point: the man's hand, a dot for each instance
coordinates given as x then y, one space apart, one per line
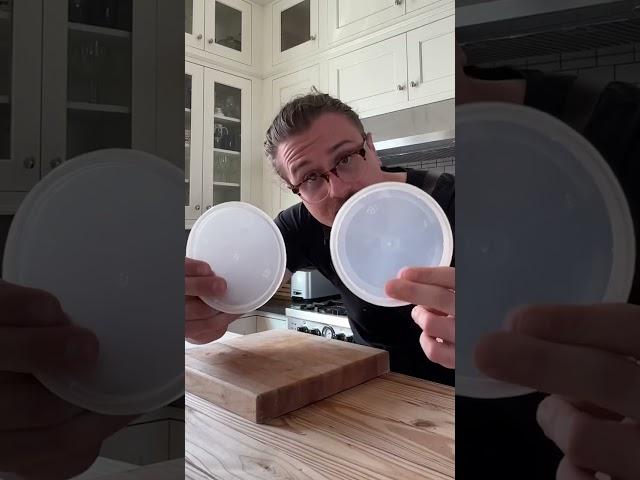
586 356
41 435
432 290
203 323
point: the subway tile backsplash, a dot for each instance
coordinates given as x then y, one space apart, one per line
620 63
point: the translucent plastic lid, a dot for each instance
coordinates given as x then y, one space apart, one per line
91 233
542 220
380 230
244 246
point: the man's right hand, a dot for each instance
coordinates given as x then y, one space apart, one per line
203 323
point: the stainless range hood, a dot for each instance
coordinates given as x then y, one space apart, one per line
492 31
421 134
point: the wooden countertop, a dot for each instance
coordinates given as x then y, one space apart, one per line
391 428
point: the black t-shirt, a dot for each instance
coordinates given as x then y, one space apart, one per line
391 329
500 439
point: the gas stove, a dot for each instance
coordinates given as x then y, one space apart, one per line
329 307
327 318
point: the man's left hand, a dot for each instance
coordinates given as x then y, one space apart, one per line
432 290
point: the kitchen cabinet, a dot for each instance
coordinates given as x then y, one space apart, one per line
80 79
351 17
194 23
295 29
271 322
220 27
243 325
413 5
431 61
193 138
372 77
217 139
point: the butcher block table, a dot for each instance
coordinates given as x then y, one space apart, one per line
393 427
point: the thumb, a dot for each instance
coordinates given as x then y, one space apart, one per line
44 349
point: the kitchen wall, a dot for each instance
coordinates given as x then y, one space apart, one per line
607 64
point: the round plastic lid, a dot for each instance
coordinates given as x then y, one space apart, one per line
244 246
93 232
542 221
380 230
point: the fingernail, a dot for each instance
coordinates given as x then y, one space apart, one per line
402 271
81 348
512 319
219 286
204 270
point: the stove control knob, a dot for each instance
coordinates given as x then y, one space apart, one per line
328 332
303 329
315 331
350 339
341 336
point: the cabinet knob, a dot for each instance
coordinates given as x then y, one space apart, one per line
208 207
29 163
197 207
400 87
312 37
398 2
55 162
210 41
414 84
199 37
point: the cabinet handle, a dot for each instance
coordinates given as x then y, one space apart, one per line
414 84
210 41
199 37
29 163
197 207
398 2
400 87
55 162
312 37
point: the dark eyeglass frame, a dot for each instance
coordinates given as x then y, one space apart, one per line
362 151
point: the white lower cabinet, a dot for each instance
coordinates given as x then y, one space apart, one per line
244 325
274 322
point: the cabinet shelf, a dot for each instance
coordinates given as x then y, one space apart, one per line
111 32
97 107
226 119
225 184
227 152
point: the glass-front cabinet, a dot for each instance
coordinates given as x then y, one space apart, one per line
221 27
295 28
81 81
217 139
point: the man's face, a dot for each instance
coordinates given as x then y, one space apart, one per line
329 138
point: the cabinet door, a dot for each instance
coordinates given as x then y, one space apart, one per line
98 84
227 138
295 29
270 323
351 17
371 78
228 29
243 325
413 5
431 61
193 139
194 23
20 74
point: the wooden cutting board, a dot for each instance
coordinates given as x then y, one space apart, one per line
264 375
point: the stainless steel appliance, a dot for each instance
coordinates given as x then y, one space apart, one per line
327 319
310 284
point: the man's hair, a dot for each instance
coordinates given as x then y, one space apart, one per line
297 115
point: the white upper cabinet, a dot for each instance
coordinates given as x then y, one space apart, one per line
194 23
373 77
431 61
295 29
351 17
228 29
193 139
413 5
294 84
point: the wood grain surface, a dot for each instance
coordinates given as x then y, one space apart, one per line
390 428
264 375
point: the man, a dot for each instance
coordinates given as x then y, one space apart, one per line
319 148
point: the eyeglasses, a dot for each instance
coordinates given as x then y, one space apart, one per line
315 187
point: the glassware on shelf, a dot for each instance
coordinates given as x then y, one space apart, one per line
92 57
104 13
